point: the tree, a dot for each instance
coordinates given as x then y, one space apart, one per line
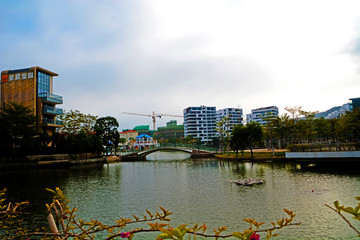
188 139
106 129
322 129
350 126
122 141
271 122
283 126
238 138
293 111
247 135
116 141
18 129
254 135
224 133
307 125
76 135
76 122
333 129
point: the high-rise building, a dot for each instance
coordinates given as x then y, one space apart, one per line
234 115
199 122
334 112
261 115
354 103
33 87
144 129
171 131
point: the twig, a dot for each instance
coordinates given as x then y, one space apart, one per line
131 222
275 228
338 212
84 231
201 234
133 232
45 234
62 215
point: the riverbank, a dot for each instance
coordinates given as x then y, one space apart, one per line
328 159
52 161
259 155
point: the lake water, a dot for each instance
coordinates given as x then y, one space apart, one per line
197 191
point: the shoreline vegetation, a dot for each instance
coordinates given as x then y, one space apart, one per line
258 155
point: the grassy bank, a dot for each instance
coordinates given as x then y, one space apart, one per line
257 155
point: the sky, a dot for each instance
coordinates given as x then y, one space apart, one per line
162 56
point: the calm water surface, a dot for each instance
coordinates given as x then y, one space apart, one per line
197 191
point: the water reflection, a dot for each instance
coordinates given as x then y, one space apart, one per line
167 155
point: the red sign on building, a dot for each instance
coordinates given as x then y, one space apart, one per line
4 78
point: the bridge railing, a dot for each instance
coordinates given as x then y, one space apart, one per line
191 146
182 145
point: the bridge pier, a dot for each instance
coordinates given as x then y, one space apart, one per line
133 157
201 154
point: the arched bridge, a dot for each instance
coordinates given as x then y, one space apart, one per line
147 152
142 155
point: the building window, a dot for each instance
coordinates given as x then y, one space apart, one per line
43 82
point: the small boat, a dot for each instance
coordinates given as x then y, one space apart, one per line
249 182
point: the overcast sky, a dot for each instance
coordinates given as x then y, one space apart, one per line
166 55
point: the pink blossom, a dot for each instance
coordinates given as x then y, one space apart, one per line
255 236
124 234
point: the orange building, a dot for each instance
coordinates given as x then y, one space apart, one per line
128 135
33 87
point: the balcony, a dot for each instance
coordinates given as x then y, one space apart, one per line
52 110
51 98
52 122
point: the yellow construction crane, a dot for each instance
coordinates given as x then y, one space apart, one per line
153 116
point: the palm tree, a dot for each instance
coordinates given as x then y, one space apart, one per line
18 128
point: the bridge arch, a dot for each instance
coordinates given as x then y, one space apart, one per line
142 155
145 153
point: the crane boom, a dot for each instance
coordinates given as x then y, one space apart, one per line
153 116
139 114
168 115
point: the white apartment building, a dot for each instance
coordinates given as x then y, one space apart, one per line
199 122
336 114
260 114
235 117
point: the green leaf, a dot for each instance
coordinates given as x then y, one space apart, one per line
177 233
349 210
357 209
162 236
50 190
183 229
237 234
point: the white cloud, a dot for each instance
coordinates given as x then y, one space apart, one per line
161 55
